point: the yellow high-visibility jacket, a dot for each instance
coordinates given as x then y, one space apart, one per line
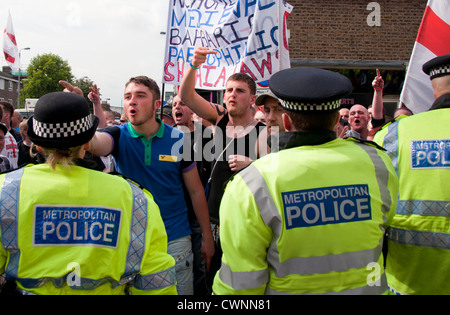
379 136
79 231
308 220
419 239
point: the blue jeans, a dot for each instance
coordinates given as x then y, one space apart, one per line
181 250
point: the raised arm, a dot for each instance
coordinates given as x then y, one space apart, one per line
101 144
377 105
187 93
94 97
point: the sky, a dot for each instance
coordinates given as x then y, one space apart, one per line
109 41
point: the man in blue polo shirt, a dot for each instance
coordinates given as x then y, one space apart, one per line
157 155
150 153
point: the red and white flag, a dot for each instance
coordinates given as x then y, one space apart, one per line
433 40
10 49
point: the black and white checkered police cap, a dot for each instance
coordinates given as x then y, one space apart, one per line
311 90
62 120
437 67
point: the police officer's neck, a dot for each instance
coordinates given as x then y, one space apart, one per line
441 86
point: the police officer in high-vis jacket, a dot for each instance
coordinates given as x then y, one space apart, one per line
419 239
66 229
311 218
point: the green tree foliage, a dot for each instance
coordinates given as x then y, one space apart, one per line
44 73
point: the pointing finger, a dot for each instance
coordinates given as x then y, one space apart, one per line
206 51
67 85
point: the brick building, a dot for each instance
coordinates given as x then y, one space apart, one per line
356 37
8 86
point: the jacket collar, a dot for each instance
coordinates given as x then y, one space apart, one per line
295 139
442 102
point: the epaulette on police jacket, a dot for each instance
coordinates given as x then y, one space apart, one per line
366 142
115 173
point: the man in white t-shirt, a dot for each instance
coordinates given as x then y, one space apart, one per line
5 165
10 150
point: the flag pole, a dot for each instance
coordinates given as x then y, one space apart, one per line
18 89
162 99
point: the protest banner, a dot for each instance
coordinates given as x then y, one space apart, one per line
249 36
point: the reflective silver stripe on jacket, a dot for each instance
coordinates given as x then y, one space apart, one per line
136 250
366 290
9 210
243 280
420 238
137 231
424 207
8 219
391 144
382 175
159 280
306 265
